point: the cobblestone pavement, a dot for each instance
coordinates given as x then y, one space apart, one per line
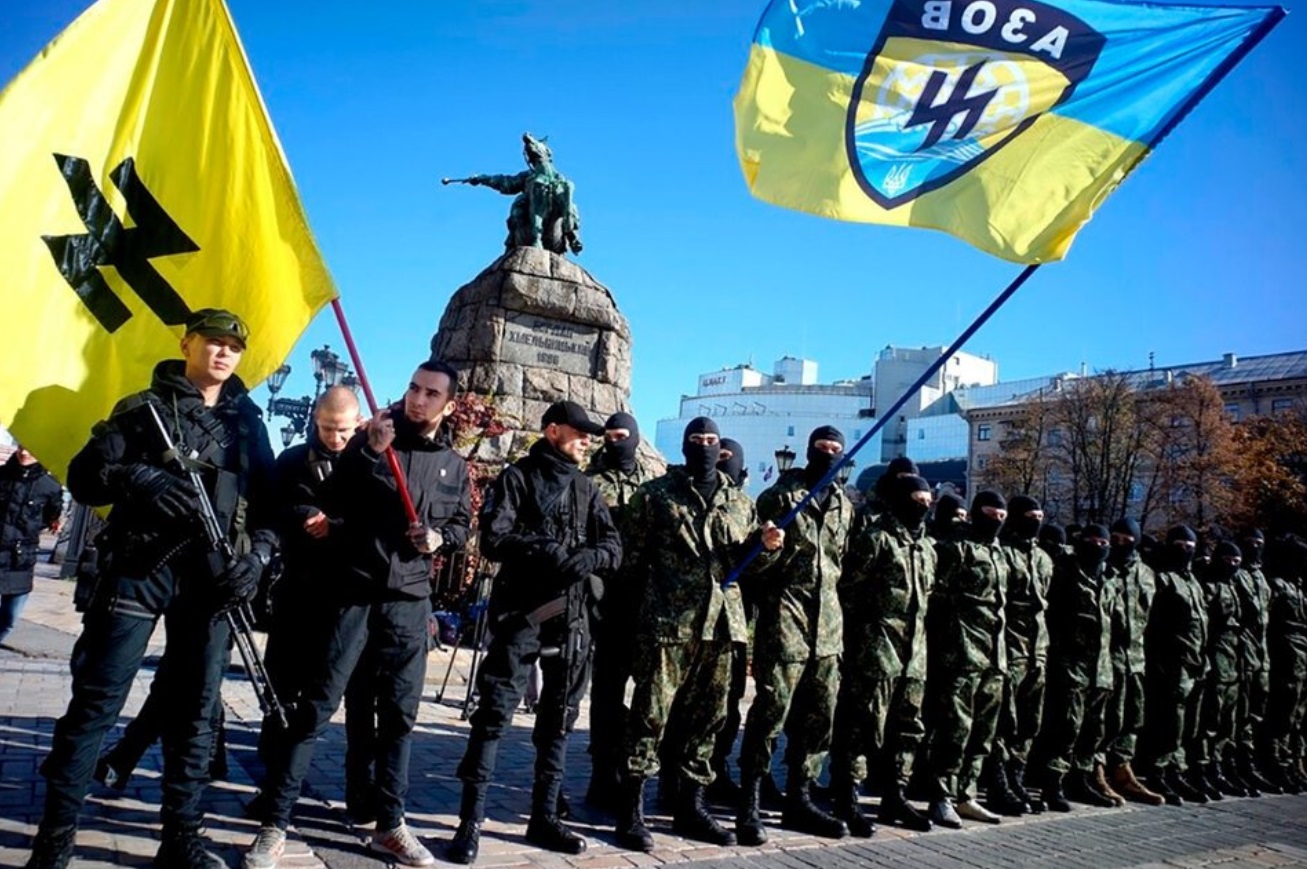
123 830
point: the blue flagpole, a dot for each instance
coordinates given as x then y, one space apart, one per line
903 399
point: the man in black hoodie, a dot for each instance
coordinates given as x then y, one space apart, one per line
30 500
545 522
380 601
154 563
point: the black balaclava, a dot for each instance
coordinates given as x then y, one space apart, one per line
819 461
1052 537
898 465
1220 568
1122 552
1091 555
734 466
908 510
1149 547
986 527
1018 524
701 459
1173 556
620 455
1254 543
945 519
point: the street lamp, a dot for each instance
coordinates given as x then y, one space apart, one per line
277 379
288 434
784 458
328 370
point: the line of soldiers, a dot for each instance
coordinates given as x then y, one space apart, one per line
976 640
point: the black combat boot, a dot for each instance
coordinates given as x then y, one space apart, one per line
1284 779
1182 786
748 819
1214 783
1079 788
802 816
999 797
692 819
1249 772
1052 794
632 834
895 809
183 848
846 807
1238 787
546 831
52 849
466 844
1016 777
1158 784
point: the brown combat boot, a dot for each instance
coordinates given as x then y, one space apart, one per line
1125 784
1100 782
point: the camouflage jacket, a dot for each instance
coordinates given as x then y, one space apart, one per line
798 604
1254 593
1030 571
1224 632
1080 624
1138 587
1286 631
888 575
1176 636
617 487
970 591
680 551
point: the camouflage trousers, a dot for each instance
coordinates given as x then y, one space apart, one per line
1074 724
1254 691
1285 713
1171 716
1125 717
664 671
1218 725
966 709
877 718
804 693
1023 709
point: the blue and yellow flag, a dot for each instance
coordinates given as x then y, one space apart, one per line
141 180
1002 122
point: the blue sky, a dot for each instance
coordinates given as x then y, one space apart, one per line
1202 251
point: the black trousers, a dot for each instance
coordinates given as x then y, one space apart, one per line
396 632
614 660
514 648
105 660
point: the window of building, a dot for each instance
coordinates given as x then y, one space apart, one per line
983 432
921 434
1281 405
1055 437
981 463
789 430
1232 411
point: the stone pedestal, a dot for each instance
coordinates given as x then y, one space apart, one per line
532 329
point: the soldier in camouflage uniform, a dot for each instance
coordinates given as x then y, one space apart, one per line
616 473
1286 643
1080 604
1125 712
797 642
889 571
968 644
1175 648
1211 752
1254 592
1030 571
689 528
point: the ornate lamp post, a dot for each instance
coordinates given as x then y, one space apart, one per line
784 459
328 371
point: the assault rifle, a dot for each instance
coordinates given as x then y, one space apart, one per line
219 554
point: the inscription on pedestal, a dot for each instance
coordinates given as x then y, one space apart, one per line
545 343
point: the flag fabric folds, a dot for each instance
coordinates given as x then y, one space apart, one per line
1002 122
141 180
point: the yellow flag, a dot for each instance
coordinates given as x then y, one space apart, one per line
140 179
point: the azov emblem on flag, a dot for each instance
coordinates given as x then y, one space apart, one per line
952 81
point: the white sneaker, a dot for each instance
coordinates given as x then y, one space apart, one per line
974 811
401 846
267 849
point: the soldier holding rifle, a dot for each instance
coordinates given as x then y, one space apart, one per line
157 561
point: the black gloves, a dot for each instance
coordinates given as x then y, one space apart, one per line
170 495
554 554
579 565
240 582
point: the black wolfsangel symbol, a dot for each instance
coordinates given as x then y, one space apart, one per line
107 242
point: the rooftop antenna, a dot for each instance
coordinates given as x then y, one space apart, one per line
1150 360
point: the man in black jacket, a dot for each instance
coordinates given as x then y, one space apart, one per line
30 500
547 525
381 602
155 562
